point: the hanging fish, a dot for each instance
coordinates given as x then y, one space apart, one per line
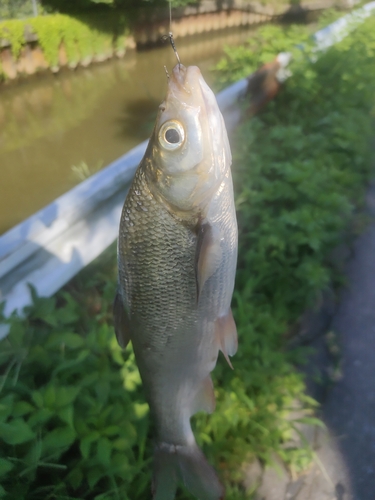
177 252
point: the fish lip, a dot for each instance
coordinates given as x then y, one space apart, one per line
179 74
185 81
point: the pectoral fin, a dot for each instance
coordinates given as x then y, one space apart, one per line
226 335
208 254
121 321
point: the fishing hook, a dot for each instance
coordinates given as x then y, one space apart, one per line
171 39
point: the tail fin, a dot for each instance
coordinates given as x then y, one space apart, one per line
189 465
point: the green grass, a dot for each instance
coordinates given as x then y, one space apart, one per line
73 419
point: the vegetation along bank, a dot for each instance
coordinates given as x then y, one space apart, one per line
87 31
59 40
73 421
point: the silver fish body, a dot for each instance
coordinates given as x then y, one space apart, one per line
177 252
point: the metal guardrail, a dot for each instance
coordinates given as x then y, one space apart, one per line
338 30
53 245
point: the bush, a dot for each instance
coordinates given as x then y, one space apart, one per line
71 417
83 36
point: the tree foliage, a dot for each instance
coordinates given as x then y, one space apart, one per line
87 5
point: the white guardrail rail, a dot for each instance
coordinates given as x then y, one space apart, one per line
53 245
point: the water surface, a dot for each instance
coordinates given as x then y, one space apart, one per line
50 123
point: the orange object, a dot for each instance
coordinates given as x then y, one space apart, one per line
266 82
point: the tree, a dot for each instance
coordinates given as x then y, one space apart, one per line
84 5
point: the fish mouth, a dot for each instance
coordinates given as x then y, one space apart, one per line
185 82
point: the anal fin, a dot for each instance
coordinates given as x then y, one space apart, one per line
226 335
205 397
121 321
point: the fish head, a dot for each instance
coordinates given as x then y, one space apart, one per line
189 149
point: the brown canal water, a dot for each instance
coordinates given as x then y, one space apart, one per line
53 123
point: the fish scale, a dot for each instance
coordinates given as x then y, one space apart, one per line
162 294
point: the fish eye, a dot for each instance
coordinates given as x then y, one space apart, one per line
171 135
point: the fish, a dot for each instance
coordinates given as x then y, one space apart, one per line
177 254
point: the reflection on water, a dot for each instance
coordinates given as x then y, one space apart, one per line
93 115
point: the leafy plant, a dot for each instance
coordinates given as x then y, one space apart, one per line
13 31
83 36
69 395
300 171
262 47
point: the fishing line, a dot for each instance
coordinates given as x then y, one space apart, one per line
170 16
170 35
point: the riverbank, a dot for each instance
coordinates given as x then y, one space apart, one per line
59 40
52 128
56 41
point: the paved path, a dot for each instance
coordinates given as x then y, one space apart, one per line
345 361
344 339
349 406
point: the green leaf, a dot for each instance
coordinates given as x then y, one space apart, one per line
66 414
112 430
16 432
5 466
6 407
22 408
75 478
122 444
39 417
49 396
43 309
34 453
70 340
67 365
141 409
58 439
38 399
89 379
102 389
17 334
66 395
94 475
104 452
69 313
86 442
